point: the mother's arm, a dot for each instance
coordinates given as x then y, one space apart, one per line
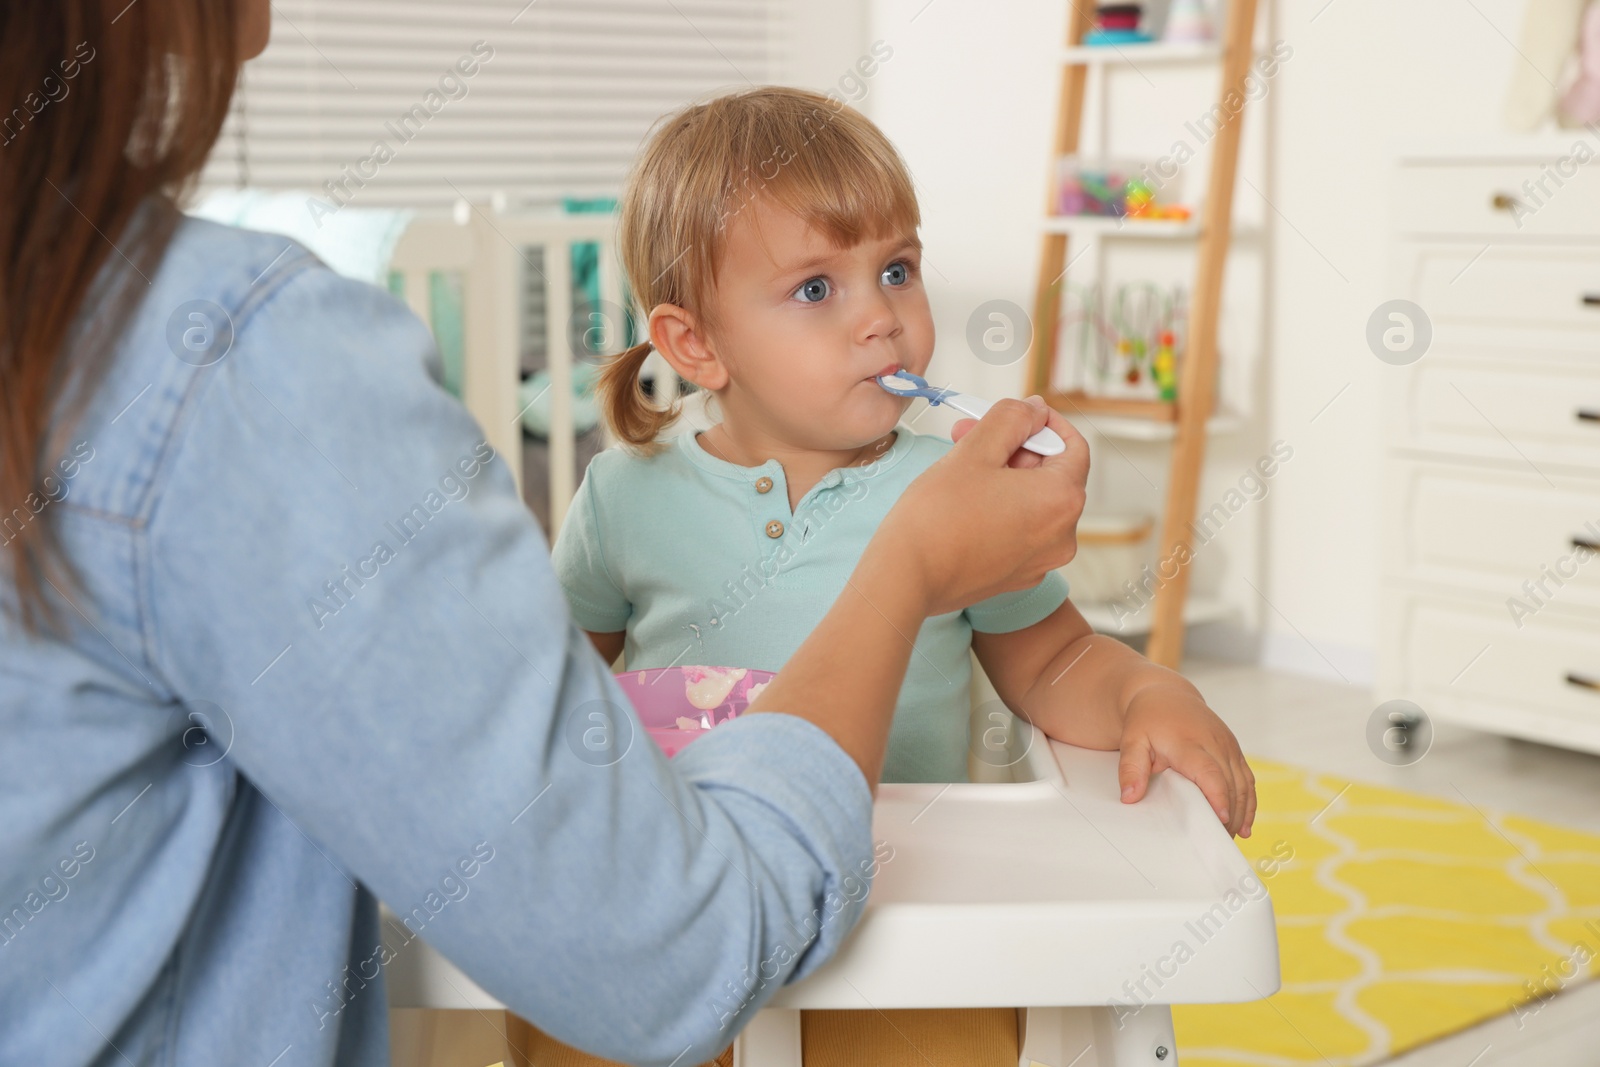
330 560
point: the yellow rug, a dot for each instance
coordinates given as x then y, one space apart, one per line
1401 919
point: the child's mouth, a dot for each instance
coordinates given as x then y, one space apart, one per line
893 368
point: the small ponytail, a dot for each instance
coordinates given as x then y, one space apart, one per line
629 413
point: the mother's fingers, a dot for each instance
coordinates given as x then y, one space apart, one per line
995 438
1076 453
1019 458
1022 458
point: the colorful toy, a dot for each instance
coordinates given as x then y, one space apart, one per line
1133 316
1128 347
1094 192
1139 200
1117 24
1163 368
1113 190
1119 17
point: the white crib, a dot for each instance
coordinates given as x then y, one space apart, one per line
487 249
1031 886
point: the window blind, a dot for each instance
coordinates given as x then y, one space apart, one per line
419 102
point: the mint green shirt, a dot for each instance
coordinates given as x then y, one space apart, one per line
701 561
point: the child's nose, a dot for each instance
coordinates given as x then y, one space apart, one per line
878 319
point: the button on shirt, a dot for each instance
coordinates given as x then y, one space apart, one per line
701 561
323 660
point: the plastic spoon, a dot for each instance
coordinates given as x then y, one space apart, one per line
903 383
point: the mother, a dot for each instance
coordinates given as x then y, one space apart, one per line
205 436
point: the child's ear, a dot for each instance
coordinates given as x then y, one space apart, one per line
677 334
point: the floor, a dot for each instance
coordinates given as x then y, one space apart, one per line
1321 725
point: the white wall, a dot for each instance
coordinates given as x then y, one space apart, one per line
1367 78
969 99
825 39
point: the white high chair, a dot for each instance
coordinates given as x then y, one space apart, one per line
1047 893
1032 886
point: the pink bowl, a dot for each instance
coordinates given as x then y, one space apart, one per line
678 704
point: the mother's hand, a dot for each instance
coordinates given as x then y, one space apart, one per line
1022 457
990 518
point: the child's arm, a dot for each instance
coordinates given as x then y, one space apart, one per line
1093 691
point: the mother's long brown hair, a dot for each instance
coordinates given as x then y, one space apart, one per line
103 103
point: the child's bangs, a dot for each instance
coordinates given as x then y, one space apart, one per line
839 174
821 160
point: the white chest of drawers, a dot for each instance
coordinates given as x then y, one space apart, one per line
1491 539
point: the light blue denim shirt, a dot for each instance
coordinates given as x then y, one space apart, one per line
322 659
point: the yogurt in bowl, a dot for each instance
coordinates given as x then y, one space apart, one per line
676 705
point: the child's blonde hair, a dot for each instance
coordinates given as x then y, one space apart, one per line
809 153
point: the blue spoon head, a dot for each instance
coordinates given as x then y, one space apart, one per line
896 383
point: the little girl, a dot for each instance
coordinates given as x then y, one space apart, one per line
773 235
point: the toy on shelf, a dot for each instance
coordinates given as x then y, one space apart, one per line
1127 347
1188 22
1120 189
1116 24
1139 200
1133 317
1164 367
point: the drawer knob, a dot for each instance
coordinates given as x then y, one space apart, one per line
1504 202
1583 683
1591 300
1588 414
1586 542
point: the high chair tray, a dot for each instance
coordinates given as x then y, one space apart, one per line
1052 892
1048 892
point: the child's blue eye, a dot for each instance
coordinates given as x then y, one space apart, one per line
897 273
812 290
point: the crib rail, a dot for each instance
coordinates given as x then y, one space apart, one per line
491 251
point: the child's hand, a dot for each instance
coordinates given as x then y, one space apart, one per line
1171 726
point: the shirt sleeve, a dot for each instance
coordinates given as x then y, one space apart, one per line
1016 611
594 597
335 558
